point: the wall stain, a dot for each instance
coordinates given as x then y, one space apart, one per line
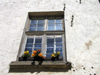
88 44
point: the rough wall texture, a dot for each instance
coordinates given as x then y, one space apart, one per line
82 36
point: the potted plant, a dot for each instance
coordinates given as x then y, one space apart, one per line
25 55
37 56
55 56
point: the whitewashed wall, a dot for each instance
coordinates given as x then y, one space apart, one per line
83 38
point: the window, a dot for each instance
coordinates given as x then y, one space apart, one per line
45 31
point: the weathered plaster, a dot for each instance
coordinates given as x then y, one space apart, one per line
13 15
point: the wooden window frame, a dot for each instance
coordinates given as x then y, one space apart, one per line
45 32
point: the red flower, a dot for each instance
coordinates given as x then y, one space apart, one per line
39 50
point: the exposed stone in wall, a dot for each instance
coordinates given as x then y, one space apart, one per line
82 39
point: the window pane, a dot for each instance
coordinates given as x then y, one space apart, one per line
50 26
58 26
38 40
49 52
58 21
38 45
30 41
59 50
40 29
51 21
29 45
33 25
50 40
59 45
32 29
40 21
29 49
50 45
33 21
58 39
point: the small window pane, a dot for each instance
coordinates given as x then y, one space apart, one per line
51 21
29 45
33 25
32 29
30 41
50 40
40 21
59 50
50 45
58 39
58 26
58 21
49 52
51 27
33 21
38 40
38 45
59 45
40 25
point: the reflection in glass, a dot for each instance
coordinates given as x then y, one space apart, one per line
51 21
32 29
58 21
40 21
30 40
58 26
38 40
29 45
33 21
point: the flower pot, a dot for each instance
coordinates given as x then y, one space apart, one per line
57 58
24 58
53 58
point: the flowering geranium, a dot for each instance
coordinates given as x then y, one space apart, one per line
55 54
37 55
26 54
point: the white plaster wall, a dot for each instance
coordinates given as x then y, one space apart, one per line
83 39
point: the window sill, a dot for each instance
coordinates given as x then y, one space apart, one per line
53 66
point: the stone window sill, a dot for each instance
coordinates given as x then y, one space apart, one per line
25 66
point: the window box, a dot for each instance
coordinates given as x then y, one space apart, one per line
54 66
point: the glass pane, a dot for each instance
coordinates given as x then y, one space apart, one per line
29 49
40 25
40 21
51 21
58 39
50 45
40 29
33 25
58 21
50 50
30 41
29 45
59 50
38 40
32 29
37 48
33 21
50 40
38 45
59 45
50 26
58 26
48 55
